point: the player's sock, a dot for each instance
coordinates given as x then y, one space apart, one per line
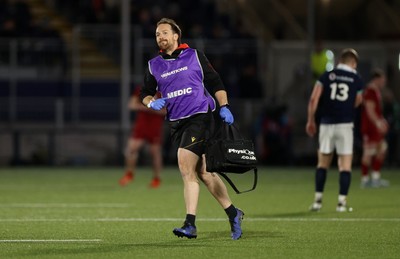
190 219
344 182
318 197
231 212
364 169
376 175
320 179
342 199
376 164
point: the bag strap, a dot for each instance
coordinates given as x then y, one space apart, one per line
234 186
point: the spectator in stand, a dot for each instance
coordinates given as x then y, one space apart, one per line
8 29
22 15
15 19
249 84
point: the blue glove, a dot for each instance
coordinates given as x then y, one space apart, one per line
226 115
157 104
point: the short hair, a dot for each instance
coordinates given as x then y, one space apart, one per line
349 54
174 26
376 73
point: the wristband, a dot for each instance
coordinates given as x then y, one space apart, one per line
225 105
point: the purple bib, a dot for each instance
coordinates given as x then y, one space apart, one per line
180 80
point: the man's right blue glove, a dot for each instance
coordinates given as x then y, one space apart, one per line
226 115
157 104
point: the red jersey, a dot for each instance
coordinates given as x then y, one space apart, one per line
368 127
148 124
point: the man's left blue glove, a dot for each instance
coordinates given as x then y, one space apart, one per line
157 104
226 115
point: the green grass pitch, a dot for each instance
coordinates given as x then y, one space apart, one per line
84 213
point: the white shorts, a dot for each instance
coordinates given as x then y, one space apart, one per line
336 136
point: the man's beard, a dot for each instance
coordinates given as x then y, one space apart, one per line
164 45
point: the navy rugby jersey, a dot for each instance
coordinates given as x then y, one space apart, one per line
181 79
340 88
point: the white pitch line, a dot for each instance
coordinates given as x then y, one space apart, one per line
203 219
48 240
65 205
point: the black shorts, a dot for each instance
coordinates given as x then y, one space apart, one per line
193 132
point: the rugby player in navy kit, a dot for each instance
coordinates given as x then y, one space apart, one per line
185 79
339 92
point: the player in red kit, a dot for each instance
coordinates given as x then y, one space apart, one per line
373 129
148 128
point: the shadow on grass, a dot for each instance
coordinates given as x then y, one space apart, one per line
247 235
207 240
113 250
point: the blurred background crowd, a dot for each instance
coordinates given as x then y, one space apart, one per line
60 73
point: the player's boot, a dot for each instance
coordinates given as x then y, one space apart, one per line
127 178
236 225
155 183
377 183
316 206
187 230
366 184
343 208
384 183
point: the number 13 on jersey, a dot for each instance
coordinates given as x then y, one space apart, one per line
339 91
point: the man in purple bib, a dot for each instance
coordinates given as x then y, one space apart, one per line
184 77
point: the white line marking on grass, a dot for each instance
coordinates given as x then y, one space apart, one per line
48 240
203 219
327 219
65 205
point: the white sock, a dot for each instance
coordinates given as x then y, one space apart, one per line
376 175
318 196
342 199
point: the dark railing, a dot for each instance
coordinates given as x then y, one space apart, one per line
46 99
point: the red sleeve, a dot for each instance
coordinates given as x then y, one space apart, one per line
370 95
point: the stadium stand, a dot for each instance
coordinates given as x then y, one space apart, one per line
59 65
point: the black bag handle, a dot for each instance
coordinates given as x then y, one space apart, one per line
229 132
234 186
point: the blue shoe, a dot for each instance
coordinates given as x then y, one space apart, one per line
378 183
187 230
236 229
